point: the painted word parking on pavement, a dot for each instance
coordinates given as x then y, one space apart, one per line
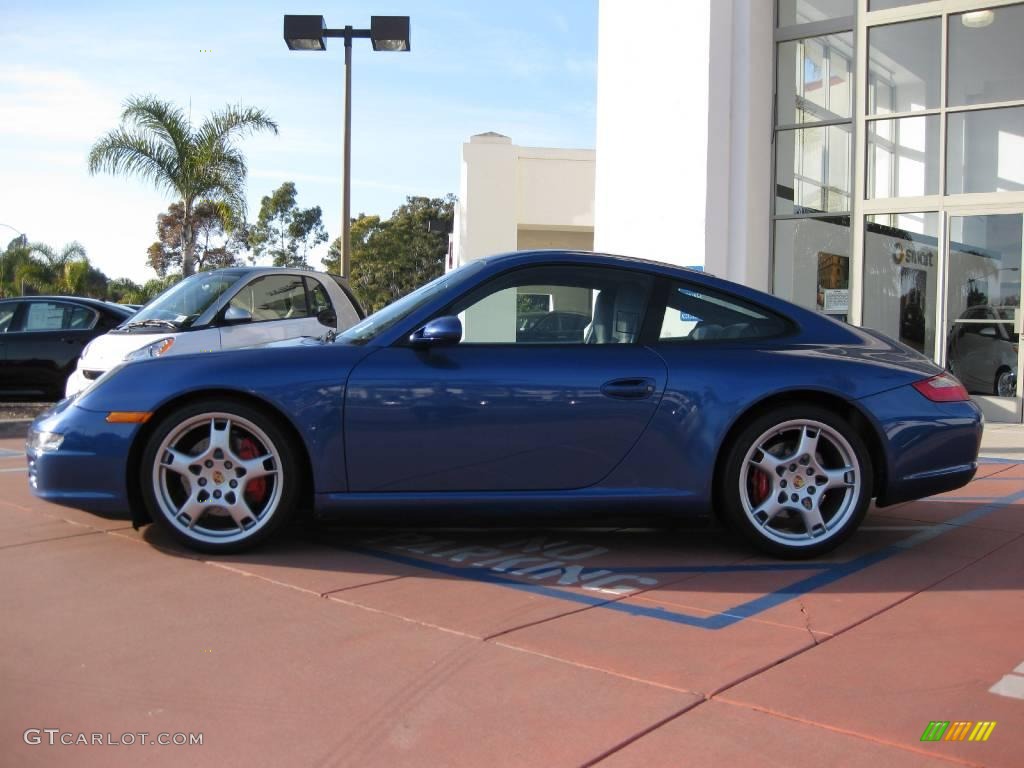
563 569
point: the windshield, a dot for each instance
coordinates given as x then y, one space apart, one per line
180 305
394 313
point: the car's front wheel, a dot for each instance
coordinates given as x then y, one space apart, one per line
797 481
219 476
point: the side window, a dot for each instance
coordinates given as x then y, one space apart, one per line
696 314
7 312
317 296
556 305
80 318
273 297
52 316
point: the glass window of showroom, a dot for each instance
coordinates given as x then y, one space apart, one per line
898 195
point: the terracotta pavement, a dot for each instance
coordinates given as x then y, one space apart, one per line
514 647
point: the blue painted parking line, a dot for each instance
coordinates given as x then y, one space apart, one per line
6 452
828 573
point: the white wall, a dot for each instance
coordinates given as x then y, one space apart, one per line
684 133
486 211
652 100
512 197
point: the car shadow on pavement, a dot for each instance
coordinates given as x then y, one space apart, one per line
706 578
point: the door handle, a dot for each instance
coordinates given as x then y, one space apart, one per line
628 389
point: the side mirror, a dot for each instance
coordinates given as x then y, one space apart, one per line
327 317
236 316
439 332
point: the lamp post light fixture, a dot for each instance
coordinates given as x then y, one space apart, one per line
307 33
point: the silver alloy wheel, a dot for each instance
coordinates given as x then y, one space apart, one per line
1006 384
800 482
200 479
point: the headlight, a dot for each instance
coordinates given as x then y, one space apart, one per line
44 442
155 349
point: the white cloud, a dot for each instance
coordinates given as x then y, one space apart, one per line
54 105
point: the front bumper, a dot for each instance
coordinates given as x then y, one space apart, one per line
88 471
930 447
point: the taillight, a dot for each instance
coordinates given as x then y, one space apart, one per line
944 388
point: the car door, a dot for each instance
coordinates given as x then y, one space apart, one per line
279 308
8 322
493 413
42 349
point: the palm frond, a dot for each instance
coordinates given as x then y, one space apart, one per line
73 251
161 118
124 151
37 250
234 121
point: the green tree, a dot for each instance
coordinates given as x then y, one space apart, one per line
157 142
43 269
125 291
284 231
17 253
216 247
394 257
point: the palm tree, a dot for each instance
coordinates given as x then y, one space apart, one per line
46 269
157 142
55 259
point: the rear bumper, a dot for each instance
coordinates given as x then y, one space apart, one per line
930 447
88 470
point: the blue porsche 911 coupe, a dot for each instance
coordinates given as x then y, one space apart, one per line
681 394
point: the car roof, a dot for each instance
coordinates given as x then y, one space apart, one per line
244 271
94 303
591 256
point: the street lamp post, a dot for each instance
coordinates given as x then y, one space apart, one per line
307 33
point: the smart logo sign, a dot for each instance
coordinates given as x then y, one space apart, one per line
537 559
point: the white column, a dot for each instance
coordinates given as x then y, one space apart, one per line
652 106
486 215
684 128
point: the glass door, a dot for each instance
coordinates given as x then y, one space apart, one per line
983 313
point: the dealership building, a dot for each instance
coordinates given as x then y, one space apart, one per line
864 158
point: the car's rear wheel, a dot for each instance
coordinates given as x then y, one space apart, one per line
219 476
797 481
1006 383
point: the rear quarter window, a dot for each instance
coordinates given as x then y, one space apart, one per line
694 314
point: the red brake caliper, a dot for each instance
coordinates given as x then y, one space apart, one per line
255 489
760 486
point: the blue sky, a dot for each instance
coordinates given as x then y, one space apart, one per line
525 69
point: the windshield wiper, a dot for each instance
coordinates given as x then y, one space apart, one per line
160 323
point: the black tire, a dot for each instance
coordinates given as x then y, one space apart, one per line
763 509
999 375
267 490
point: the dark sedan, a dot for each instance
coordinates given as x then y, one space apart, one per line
683 395
41 338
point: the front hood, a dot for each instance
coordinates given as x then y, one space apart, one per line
276 373
108 350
